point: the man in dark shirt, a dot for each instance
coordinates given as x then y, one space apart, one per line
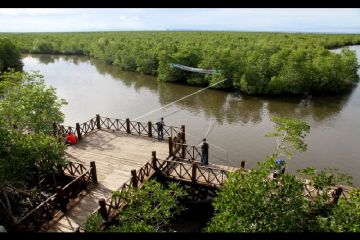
160 127
204 152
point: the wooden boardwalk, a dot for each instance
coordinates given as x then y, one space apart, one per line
115 155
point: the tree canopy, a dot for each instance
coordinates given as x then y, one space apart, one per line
252 62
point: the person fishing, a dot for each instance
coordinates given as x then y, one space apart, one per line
204 153
160 127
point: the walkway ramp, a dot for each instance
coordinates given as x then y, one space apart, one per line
115 155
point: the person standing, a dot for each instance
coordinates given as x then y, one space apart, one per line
160 127
204 153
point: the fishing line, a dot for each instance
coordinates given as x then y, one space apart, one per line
209 131
179 99
208 143
172 113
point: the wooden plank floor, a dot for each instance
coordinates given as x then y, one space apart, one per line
115 155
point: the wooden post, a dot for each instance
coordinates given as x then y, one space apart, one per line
93 172
61 198
243 164
150 128
98 121
154 161
78 130
193 175
337 193
55 129
134 178
283 170
170 146
103 211
183 132
183 152
127 125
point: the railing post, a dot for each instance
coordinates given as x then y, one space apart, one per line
78 130
170 146
150 128
243 164
61 198
134 178
193 175
98 121
103 211
127 125
183 132
55 129
154 161
337 193
183 147
93 172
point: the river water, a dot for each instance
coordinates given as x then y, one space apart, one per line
233 124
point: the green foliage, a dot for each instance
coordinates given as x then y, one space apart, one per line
94 223
9 55
345 217
252 203
290 134
253 63
28 104
259 201
147 209
28 157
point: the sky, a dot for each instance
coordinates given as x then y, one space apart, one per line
307 20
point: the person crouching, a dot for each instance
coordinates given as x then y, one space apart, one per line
70 139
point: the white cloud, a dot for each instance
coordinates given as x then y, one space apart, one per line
8 11
234 19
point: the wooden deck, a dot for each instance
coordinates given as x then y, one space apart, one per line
115 155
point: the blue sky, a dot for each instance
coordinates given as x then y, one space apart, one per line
323 20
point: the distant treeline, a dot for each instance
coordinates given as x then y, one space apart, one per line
253 63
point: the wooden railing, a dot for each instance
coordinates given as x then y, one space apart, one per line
187 152
45 211
192 172
131 127
108 209
86 127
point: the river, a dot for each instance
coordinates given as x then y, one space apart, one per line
233 124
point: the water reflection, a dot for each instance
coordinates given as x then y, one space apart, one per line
230 108
314 109
130 79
